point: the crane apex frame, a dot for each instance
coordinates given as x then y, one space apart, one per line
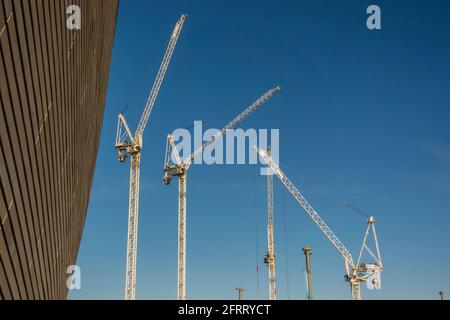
129 144
355 273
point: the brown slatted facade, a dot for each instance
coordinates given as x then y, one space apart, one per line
53 83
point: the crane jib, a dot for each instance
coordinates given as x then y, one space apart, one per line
247 112
308 209
160 77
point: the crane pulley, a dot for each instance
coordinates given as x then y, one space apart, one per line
355 272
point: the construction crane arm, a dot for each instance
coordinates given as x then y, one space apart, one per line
252 108
160 77
309 210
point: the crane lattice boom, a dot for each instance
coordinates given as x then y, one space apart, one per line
245 114
160 77
309 209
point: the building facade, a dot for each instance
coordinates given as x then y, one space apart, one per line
53 83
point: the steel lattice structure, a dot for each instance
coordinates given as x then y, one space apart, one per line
129 144
355 273
180 168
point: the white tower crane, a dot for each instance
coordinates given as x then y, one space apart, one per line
129 144
180 168
270 258
355 273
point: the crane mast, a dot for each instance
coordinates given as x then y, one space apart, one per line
355 273
129 144
270 258
135 168
180 168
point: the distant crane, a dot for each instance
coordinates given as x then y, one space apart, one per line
270 258
355 273
180 168
308 252
240 292
129 144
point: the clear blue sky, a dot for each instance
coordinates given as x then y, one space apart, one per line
364 116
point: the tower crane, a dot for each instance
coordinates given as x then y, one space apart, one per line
175 167
308 252
270 258
129 144
355 272
240 292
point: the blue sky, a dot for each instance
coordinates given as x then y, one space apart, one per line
363 116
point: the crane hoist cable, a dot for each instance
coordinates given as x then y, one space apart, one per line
181 93
125 108
280 118
255 213
286 246
355 209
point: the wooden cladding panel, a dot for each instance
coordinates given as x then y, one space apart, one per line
53 83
